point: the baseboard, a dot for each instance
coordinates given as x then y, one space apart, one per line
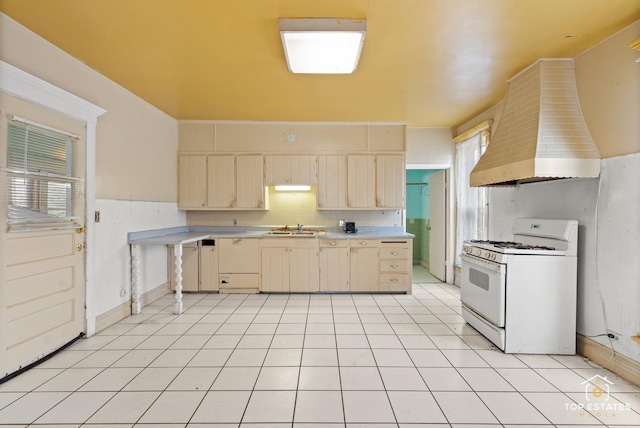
152 295
113 316
122 311
621 365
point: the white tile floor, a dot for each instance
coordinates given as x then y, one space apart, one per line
319 361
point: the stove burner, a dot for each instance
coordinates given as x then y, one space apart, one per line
511 244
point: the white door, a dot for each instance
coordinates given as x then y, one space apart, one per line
42 255
437 236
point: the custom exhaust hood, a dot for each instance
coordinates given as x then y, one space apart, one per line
542 134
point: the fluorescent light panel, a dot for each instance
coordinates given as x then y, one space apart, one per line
322 45
293 188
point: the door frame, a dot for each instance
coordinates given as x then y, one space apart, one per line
21 84
449 245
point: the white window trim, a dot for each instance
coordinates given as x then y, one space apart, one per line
19 83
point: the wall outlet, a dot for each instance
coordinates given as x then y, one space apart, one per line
613 335
235 221
341 222
123 292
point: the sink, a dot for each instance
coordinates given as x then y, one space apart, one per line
296 232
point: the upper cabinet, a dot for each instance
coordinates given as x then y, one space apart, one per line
332 182
192 182
291 169
390 181
363 182
361 190
221 182
228 165
221 173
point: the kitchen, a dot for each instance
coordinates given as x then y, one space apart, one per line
141 198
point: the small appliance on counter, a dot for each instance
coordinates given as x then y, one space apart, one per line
349 227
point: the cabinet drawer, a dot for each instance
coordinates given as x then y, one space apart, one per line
394 282
394 253
394 266
364 243
239 280
334 243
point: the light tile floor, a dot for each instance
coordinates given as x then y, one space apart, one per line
421 274
309 361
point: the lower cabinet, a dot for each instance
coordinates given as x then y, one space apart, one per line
238 265
364 265
396 259
289 265
334 265
208 265
250 265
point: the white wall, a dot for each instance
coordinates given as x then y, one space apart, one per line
430 146
113 265
607 210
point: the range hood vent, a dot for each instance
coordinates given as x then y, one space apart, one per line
542 134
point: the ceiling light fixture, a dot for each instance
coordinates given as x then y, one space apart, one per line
293 188
322 45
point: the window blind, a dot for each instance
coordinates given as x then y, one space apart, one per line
41 183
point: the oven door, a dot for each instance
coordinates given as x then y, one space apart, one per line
482 288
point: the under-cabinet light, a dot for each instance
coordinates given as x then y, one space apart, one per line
322 45
293 188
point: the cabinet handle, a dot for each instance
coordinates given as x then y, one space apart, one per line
332 244
363 244
394 280
394 253
394 266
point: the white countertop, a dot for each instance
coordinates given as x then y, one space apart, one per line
185 235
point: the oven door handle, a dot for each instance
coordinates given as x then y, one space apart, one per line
486 264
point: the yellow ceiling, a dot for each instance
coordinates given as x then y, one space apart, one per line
424 62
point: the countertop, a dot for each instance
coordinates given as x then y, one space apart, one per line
187 234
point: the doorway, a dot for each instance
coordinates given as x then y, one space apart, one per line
419 222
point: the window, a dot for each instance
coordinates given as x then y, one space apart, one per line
42 187
471 202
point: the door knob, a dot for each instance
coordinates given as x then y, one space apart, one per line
79 247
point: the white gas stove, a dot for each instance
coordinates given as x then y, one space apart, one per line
521 294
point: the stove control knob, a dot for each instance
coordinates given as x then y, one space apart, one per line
493 256
486 254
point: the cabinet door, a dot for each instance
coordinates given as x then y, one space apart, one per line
221 191
208 268
275 269
390 181
361 190
250 191
364 269
238 255
303 270
291 169
332 182
192 177
334 269
190 277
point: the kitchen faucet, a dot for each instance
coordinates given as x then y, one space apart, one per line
299 227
